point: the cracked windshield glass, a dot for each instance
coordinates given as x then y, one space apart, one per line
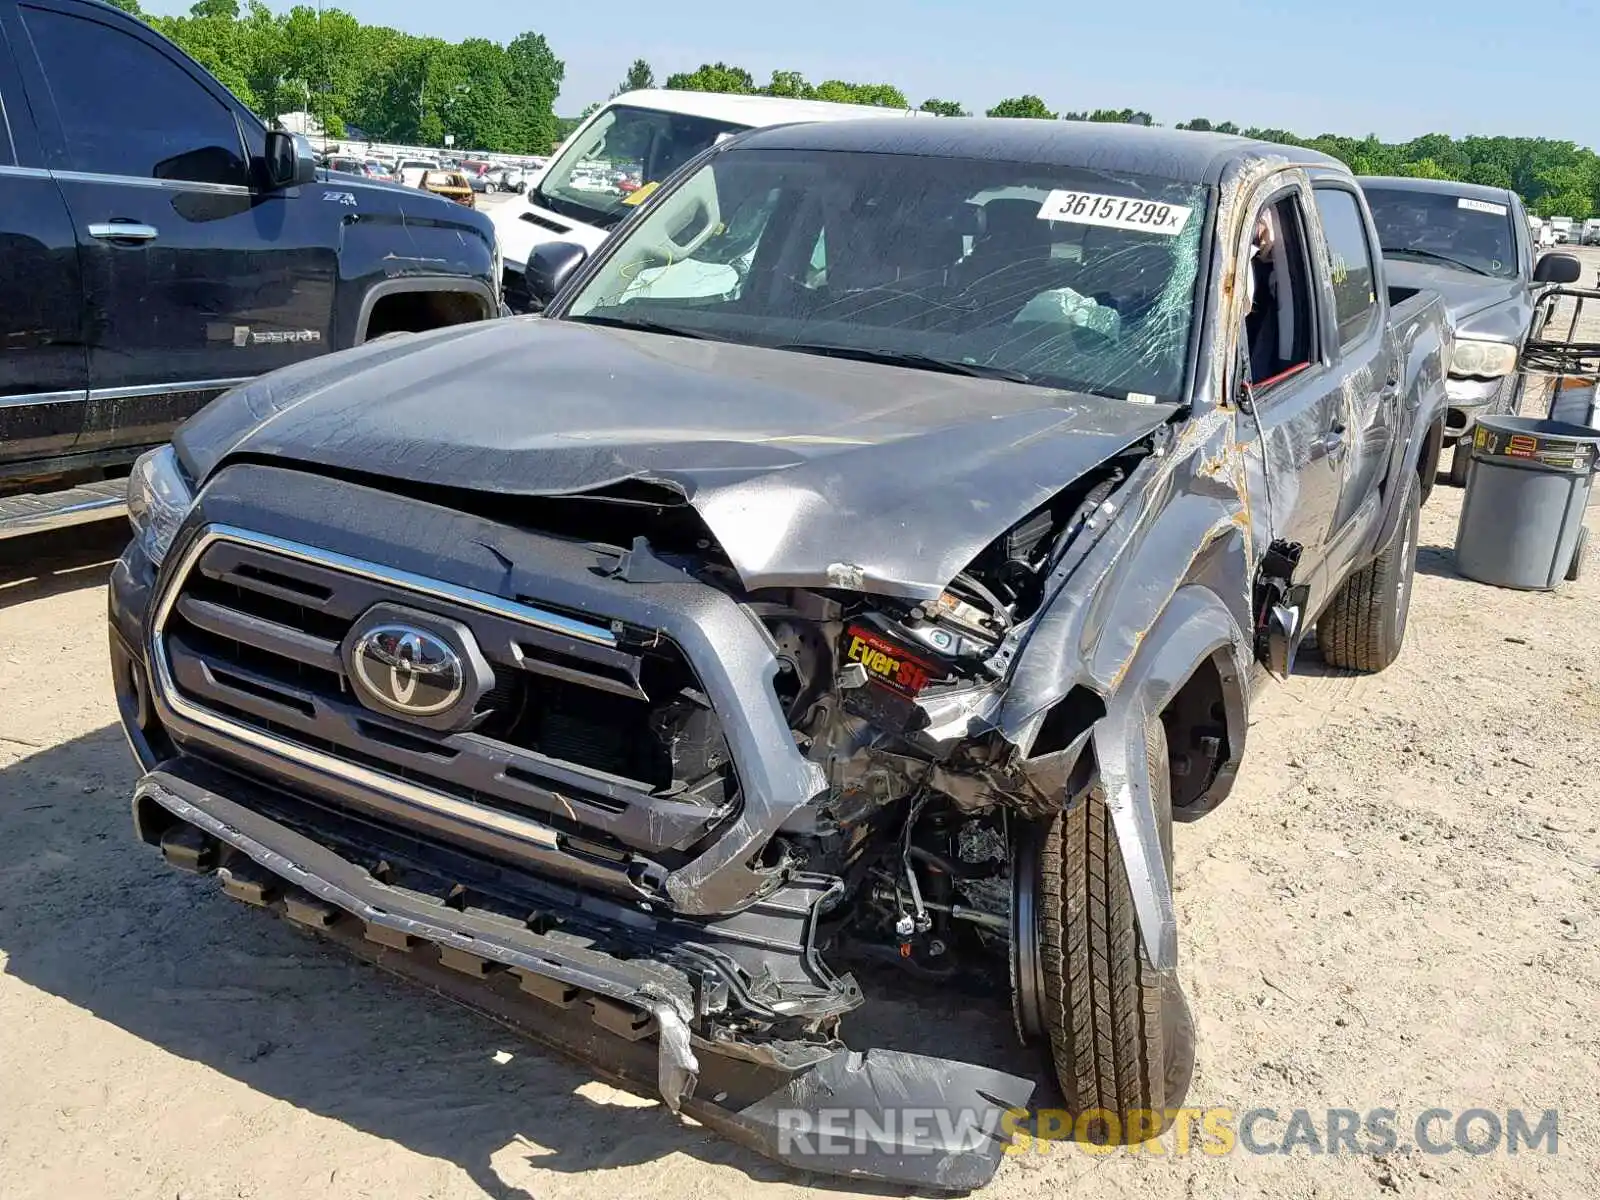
1048 275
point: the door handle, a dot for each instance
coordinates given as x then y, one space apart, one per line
1332 441
124 231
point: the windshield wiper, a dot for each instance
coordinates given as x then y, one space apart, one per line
646 326
1444 258
902 358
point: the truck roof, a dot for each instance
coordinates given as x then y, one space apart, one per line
1441 187
753 110
1179 155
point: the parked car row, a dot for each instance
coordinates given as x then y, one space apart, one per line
366 168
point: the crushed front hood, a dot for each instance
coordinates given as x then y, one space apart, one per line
807 470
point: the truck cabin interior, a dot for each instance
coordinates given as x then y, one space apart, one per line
1278 324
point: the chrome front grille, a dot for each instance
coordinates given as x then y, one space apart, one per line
590 736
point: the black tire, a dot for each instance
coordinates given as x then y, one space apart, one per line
1580 556
1364 627
1459 458
1120 1034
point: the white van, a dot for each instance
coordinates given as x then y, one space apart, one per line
628 146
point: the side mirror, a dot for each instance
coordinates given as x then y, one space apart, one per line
290 161
1558 268
552 264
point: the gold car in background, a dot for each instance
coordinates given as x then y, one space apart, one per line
452 185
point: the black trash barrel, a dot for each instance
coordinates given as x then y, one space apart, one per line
1527 487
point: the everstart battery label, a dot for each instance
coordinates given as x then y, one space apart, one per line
888 663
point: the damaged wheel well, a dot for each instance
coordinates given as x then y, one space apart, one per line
1067 719
1428 460
1196 720
421 308
1201 754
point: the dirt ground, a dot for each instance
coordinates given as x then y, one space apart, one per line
1398 908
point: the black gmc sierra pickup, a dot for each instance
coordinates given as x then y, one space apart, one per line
158 245
879 587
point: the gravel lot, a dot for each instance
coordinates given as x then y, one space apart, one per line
1398 908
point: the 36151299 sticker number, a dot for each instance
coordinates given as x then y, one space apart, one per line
1115 212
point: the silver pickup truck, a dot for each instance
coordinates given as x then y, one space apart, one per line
1472 245
636 670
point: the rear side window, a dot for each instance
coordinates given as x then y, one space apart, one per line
1350 262
127 109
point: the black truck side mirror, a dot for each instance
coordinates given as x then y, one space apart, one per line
1557 268
551 265
290 161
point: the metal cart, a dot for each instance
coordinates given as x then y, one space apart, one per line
1555 355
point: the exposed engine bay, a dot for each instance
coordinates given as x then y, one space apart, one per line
889 697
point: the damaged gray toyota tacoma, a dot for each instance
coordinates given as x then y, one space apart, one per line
866 557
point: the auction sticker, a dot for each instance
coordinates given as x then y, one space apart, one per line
1114 212
1482 206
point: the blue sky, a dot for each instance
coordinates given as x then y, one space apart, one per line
1397 68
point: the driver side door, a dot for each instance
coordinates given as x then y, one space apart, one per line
1298 401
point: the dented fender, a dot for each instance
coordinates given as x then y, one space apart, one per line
1193 628
1164 588
1182 517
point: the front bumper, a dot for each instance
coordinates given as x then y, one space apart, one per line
884 1115
726 1012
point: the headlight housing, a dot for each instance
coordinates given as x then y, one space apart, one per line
159 497
1483 360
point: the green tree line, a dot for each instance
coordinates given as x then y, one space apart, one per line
401 88
1555 178
394 86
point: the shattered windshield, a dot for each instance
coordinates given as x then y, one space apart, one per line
1051 275
1453 231
617 159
